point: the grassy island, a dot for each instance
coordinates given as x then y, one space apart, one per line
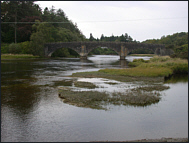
155 67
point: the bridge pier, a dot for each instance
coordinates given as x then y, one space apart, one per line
83 53
123 52
83 57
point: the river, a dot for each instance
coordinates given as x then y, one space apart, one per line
31 110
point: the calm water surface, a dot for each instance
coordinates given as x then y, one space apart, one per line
32 111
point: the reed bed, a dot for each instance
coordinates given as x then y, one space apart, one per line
17 56
100 100
156 66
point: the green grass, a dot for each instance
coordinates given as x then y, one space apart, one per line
143 55
156 66
17 56
140 71
177 65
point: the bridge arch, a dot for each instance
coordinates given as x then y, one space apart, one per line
64 51
92 48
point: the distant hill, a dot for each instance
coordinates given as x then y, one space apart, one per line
177 39
178 42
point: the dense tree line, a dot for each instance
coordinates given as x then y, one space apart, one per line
123 38
26 27
178 42
104 51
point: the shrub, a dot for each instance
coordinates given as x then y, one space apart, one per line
14 48
180 69
136 62
25 47
4 48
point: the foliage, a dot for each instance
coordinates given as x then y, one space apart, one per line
102 51
141 51
43 34
39 33
61 53
178 42
25 47
14 48
18 11
181 52
19 48
4 48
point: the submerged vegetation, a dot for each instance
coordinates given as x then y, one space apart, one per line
84 84
100 100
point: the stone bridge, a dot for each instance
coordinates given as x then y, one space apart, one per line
121 48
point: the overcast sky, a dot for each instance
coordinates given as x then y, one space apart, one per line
141 20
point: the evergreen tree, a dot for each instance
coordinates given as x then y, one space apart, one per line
91 38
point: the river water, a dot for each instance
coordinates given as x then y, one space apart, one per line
31 110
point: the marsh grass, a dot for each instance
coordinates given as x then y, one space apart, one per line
18 56
152 88
91 99
139 71
85 84
136 98
156 66
143 55
177 65
100 100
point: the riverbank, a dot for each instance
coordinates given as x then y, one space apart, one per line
18 56
142 55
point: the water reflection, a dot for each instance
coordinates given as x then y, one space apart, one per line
123 63
176 78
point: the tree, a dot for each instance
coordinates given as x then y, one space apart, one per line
91 37
45 33
25 30
13 12
102 38
122 38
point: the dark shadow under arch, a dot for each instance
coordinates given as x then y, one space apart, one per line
102 51
64 52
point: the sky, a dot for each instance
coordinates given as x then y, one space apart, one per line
141 20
